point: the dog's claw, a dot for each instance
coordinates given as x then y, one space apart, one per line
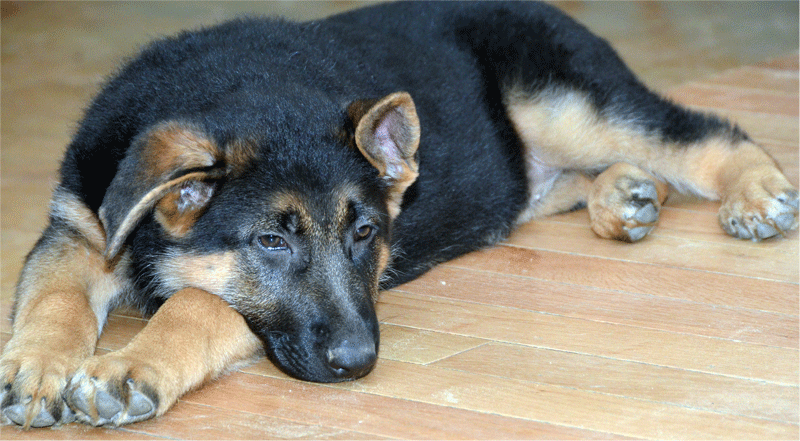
15 413
643 199
647 214
97 403
43 418
107 406
140 405
638 233
759 217
626 208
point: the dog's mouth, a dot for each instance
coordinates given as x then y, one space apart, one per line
331 361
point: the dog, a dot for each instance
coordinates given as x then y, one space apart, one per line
253 186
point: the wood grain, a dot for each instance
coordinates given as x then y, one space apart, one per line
554 334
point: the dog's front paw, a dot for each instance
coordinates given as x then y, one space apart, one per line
625 203
759 205
113 390
33 384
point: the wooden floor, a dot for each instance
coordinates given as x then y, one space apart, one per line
555 334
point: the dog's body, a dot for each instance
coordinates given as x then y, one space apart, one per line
290 171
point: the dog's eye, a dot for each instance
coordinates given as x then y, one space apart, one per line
273 242
363 232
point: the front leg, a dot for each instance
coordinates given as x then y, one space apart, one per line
194 337
62 299
51 338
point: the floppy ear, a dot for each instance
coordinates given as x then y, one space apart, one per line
387 134
170 169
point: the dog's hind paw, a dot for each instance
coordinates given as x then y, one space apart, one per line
761 205
625 203
105 392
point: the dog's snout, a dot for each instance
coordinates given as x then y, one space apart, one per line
350 360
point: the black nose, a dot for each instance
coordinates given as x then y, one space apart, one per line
351 360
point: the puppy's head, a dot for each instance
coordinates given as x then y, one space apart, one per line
294 234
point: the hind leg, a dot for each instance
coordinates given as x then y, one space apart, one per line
624 201
694 153
576 106
758 202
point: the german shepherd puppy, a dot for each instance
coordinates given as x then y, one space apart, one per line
254 186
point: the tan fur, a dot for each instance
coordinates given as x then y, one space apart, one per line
175 145
67 206
212 273
239 154
65 285
177 215
73 263
40 356
562 131
571 188
287 201
170 361
610 211
166 149
177 223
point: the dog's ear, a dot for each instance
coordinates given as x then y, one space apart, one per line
387 133
171 169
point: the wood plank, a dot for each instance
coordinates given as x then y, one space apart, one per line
633 277
400 343
724 97
733 396
610 306
72 432
683 218
509 325
193 421
562 405
786 82
762 127
786 62
375 414
777 262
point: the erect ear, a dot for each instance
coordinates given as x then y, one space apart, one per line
387 134
171 169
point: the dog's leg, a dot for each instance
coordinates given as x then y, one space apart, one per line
64 293
624 201
193 337
564 129
576 106
568 191
758 202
